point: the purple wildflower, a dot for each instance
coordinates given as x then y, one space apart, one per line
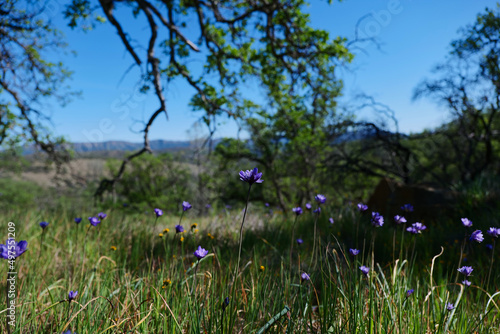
78 220
186 206
208 206
489 247
251 176
365 270
101 215
321 199
300 241
305 277
409 292
158 212
297 210
362 207
353 251
377 219
200 253
179 229
318 210
466 222
494 232
399 219
308 206
225 303
43 225
477 236
266 205
416 228
94 221
407 208
412 230
450 306
72 295
466 283
12 250
331 220
419 226
465 270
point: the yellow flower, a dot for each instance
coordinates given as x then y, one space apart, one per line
194 225
182 239
166 283
166 230
210 236
113 248
195 231
262 268
160 235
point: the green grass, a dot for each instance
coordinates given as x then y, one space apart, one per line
127 290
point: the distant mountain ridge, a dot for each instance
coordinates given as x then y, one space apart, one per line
119 145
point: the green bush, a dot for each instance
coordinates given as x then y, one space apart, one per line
154 181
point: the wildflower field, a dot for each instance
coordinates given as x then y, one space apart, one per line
320 269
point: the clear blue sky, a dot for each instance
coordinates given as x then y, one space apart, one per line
414 35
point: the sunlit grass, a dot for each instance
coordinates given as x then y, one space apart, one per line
132 280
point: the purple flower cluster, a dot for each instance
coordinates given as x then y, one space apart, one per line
43 225
466 222
321 199
12 248
72 295
186 206
377 219
494 232
158 212
362 207
308 206
200 253
94 221
179 229
399 219
467 271
477 236
365 270
305 277
416 228
78 220
251 176
353 251
101 215
297 210
407 208
331 220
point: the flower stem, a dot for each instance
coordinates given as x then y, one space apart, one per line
491 264
313 260
291 244
233 289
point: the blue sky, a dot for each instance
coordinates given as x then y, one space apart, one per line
414 36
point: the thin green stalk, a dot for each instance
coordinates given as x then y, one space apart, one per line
83 251
233 286
291 244
491 264
313 259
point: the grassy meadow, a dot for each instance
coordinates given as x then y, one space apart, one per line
297 273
